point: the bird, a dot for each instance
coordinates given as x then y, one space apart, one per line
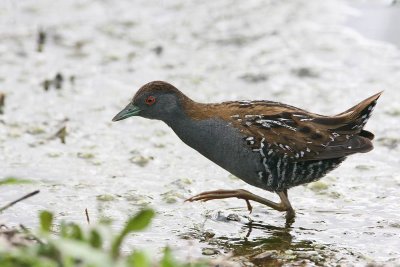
269 145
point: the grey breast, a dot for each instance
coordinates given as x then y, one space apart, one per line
223 144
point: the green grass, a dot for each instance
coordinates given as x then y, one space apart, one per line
74 245
14 181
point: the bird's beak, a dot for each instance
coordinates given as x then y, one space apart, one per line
129 111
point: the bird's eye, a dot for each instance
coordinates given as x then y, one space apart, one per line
150 100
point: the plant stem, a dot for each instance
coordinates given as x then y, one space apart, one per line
18 200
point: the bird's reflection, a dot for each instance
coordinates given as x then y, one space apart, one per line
258 225
257 237
256 240
273 238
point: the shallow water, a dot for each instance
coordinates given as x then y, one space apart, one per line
300 53
377 20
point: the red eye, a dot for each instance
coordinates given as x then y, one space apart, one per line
150 100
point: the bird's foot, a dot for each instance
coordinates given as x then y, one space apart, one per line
221 194
290 215
283 206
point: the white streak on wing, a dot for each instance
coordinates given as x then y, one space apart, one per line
266 125
245 103
262 142
303 117
279 123
300 116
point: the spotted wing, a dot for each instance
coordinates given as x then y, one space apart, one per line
299 135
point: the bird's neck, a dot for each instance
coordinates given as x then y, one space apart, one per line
187 120
186 111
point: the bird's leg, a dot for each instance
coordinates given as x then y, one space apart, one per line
246 195
285 192
290 214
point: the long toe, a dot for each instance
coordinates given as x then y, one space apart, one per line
221 194
210 196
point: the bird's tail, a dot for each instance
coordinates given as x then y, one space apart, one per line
356 117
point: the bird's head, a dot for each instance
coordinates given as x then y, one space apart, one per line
154 100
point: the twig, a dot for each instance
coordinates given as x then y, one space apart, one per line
18 200
26 231
87 216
